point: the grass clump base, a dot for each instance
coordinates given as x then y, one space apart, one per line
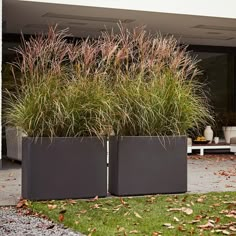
189 214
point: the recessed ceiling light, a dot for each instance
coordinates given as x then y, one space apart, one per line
37 26
45 26
83 30
214 33
77 23
87 18
203 37
215 27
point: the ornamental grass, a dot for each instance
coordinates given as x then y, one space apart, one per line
131 82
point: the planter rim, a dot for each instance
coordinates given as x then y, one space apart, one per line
59 139
151 136
63 137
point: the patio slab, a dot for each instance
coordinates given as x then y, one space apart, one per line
211 173
208 173
10 182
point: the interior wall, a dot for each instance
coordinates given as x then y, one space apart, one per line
216 76
219 75
219 55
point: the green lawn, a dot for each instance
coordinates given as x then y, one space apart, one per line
208 214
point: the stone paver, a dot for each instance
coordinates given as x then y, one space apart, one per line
209 173
10 183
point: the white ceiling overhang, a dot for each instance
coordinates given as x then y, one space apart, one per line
190 24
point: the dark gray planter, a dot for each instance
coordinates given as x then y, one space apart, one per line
147 165
63 168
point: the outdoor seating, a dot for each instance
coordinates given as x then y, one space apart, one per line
211 146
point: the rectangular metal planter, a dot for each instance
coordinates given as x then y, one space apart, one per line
147 165
62 168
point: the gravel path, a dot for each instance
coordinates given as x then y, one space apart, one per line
13 223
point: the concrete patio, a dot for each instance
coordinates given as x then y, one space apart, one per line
10 182
208 173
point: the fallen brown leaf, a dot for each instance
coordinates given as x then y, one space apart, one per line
116 208
176 219
120 229
137 215
200 200
61 217
181 228
105 209
127 213
186 210
208 225
168 225
169 199
232 228
125 204
231 216
93 199
156 233
184 199
96 206
83 211
229 186
92 231
151 200
52 206
225 226
22 203
226 232
193 221
192 230
71 201
230 202
198 217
